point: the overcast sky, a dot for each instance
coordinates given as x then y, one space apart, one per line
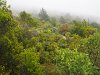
84 7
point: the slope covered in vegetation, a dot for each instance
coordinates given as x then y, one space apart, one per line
47 45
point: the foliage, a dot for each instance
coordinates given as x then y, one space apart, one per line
83 29
73 63
62 20
43 15
29 62
47 46
93 49
29 20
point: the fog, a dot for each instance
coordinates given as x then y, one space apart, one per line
85 7
89 8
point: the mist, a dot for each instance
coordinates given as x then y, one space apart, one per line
85 8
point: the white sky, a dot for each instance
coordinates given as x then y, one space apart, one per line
85 7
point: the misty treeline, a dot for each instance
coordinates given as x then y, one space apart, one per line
47 45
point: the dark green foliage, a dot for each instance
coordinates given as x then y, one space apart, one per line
93 49
83 29
5 21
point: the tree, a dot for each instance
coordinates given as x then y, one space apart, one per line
53 21
25 16
28 20
92 47
4 6
62 20
64 29
96 25
29 63
5 20
73 63
43 15
82 28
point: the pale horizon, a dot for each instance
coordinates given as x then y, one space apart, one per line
85 7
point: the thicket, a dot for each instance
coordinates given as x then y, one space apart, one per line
47 45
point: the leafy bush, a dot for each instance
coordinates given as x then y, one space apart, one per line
73 63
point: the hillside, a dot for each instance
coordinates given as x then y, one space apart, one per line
47 45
